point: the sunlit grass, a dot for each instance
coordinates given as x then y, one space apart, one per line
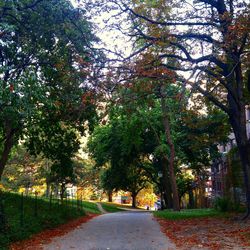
188 213
90 207
112 207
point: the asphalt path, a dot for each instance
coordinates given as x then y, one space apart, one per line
128 230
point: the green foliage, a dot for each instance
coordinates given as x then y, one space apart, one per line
223 204
59 143
22 170
187 214
199 137
117 147
184 183
46 51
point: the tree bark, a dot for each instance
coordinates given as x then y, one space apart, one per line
176 203
134 199
166 186
191 199
237 117
239 128
110 196
63 189
8 144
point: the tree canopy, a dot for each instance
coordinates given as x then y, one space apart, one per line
46 55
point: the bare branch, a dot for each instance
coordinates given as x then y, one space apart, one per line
168 23
210 97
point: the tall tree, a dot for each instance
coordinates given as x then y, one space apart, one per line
46 50
118 146
210 41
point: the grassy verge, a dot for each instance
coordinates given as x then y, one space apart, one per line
90 207
112 207
188 213
29 216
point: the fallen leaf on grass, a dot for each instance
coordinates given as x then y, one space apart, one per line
38 240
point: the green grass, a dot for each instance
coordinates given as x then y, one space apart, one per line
90 207
187 214
112 207
47 216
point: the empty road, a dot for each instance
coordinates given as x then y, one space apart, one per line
115 231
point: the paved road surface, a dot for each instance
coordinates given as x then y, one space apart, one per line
115 231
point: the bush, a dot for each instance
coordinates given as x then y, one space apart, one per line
223 204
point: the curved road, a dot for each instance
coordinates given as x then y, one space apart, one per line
115 231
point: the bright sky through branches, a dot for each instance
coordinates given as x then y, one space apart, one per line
111 40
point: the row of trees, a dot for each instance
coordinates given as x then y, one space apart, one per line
209 40
132 146
157 119
30 174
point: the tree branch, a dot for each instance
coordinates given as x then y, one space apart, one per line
211 97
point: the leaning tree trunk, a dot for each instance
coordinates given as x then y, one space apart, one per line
176 203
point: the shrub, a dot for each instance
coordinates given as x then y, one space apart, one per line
223 204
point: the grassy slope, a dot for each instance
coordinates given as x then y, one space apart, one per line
90 207
186 214
112 207
47 217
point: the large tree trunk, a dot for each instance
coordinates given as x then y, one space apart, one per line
239 128
166 186
190 199
176 203
110 196
237 117
63 189
134 199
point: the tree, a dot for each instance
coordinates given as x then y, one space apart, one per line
117 147
135 133
208 39
22 171
46 50
58 142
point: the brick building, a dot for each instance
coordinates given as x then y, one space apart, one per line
220 167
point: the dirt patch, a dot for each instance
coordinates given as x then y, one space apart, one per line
38 240
207 233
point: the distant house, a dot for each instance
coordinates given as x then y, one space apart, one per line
71 191
221 170
122 198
